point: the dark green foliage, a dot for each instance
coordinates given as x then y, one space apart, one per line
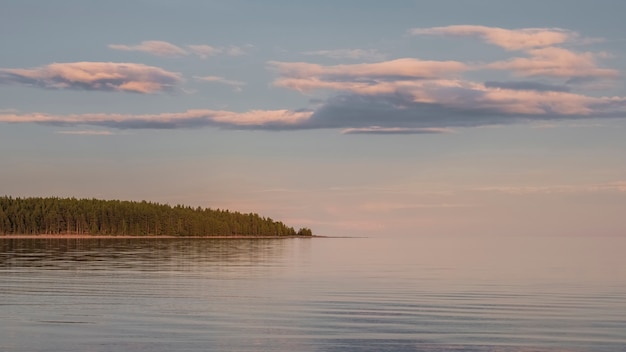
305 232
114 217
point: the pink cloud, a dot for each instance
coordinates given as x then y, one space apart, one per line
530 102
262 117
399 68
556 62
162 48
472 96
401 96
509 39
314 83
376 78
154 47
107 76
186 119
544 58
425 82
460 94
204 51
423 90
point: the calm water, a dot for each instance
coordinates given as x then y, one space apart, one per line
359 294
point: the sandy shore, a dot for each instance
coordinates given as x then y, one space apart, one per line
82 236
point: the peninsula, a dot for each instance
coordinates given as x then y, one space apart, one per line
72 217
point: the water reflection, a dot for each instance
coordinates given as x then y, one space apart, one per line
163 295
140 254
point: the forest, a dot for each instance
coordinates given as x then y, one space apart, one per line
53 215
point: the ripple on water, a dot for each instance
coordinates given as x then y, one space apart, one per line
166 295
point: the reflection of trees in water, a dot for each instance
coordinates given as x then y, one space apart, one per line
142 253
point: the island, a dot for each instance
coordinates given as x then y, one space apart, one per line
53 216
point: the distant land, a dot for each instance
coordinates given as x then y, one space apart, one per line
72 217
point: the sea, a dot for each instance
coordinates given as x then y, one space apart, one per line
403 293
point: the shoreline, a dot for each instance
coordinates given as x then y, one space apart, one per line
84 236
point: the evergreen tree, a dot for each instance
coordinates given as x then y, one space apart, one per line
114 217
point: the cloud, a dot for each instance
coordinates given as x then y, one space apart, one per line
544 58
473 109
165 49
399 96
372 99
556 62
260 119
406 68
217 79
385 102
353 54
410 90
234 50
509 39
105 76
415 96
394 130
204 51
399 87
371 78
527 85
154 47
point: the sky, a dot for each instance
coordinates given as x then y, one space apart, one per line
353 118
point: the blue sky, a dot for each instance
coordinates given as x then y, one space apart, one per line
349 117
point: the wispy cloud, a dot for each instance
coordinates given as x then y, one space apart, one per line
104 76
544 56
460 107
415 107
234 50
165 49
280 119
154 47
237 85
394 70
399 96
556 62
204 51
528 85
395 130
353 54
409 95
509 39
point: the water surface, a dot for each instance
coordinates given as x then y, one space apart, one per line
351 294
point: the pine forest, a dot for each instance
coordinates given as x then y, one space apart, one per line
114 217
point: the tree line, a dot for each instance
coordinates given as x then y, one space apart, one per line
53 215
